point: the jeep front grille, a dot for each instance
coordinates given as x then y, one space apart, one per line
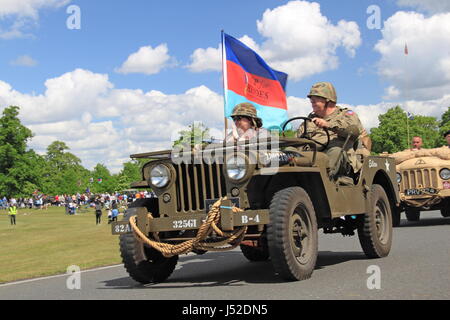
419 178
196 183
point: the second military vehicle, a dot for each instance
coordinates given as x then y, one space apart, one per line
424 184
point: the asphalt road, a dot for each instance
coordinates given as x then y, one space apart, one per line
417 268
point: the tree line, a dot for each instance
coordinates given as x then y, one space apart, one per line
23 171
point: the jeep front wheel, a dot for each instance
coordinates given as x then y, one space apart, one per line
143 264
412 214
292 234
375 228
445 210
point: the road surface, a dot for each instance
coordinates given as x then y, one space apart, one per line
417 268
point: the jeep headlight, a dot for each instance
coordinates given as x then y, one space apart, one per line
160 176
236 168
445 174
399 177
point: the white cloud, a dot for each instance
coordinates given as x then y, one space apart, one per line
424 73
299 40
210 59
432 6
146 60
102 124
24 61
28 8
24 14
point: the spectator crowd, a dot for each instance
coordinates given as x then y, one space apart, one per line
73 202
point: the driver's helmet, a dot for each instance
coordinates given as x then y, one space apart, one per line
325 90
247 110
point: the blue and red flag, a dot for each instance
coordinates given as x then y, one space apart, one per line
248 78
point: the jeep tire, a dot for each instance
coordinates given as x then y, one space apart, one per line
412 214
260 252
292 234
143 264
375 227
445 211
396 216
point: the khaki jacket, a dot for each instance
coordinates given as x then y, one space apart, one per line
340 120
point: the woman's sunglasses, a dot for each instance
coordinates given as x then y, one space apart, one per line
238 118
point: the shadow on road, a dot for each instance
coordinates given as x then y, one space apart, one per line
425 222
226 269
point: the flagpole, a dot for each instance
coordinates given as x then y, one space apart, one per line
407 90
407 126
224 81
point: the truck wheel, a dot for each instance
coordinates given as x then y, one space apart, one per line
256 253
292 234
375 230
143 264
412 214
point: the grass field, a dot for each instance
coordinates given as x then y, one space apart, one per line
47 242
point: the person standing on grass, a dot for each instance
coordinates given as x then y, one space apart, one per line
12 214
115 210
98 212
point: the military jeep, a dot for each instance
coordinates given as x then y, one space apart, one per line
279 198
424 185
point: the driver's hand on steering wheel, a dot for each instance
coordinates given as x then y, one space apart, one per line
321 123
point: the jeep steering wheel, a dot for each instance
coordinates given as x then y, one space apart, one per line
305 132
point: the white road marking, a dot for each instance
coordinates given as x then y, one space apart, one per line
56 276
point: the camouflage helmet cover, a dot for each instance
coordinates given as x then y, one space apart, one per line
247 110
325 90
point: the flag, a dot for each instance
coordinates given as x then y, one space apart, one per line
406 49
410 115
248 78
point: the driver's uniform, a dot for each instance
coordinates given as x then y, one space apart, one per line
339 121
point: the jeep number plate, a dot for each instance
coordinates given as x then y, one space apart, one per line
121 227
419 192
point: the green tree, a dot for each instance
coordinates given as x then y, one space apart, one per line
58 158
444 126
103 180
196 134
392 133
131 172
65 174
19 167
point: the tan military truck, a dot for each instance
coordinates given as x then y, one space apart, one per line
258 196
424 182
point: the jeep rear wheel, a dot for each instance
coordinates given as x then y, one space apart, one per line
412 214
292 234
143 264
256 252
375 229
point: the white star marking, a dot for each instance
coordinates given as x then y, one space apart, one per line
388 165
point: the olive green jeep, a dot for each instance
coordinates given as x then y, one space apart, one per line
260 195
424 185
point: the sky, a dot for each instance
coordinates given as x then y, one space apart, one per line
114 78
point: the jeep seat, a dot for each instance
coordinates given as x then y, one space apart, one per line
306 159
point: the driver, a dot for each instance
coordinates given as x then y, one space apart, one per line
327 115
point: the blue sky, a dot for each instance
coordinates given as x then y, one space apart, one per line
80 79
111 30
